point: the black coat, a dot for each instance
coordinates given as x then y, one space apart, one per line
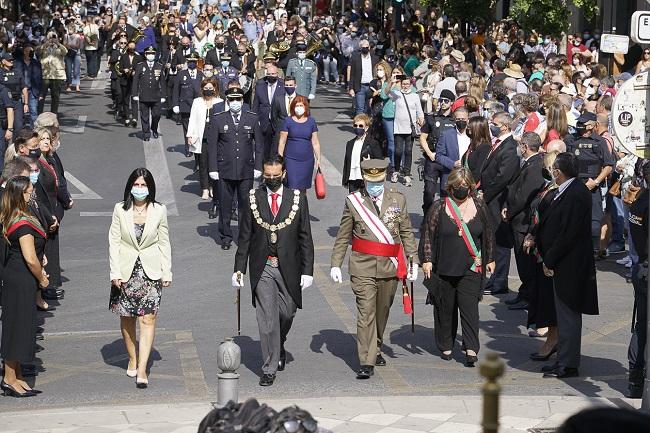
126 66
371 148
185 90
564 240
499 169
212 57
278 114
355 70
522 191
63 195
148 82
261 103
235 152
476 159
295 247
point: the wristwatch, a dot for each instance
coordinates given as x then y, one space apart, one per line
10 129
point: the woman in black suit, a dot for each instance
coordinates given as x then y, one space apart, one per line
363 146
478 131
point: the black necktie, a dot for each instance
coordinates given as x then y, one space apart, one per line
235 119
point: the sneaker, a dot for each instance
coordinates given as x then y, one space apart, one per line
624 261
394 177
407 181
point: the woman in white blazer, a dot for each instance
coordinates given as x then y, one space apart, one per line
200 115
140 262
408 116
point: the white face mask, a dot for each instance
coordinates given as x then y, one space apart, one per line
300 110
381 73
151 57
302 56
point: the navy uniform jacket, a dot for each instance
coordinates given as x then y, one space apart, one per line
5 103
235 152
148 82
186 89
15 81
225 75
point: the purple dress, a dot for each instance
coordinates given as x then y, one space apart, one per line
299 152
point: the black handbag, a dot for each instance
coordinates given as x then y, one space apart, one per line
415 129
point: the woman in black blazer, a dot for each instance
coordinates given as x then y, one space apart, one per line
478 131
365 147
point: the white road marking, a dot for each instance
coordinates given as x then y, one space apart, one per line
342 116
332 174
156 162
79 129
95 214
86 193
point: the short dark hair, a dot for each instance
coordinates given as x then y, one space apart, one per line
532 140
567 163
289 78
151 186
23 136
274 159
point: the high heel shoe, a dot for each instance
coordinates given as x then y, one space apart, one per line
470 360
141 383
537 357
132 373
10 391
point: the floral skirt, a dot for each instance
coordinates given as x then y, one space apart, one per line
138 297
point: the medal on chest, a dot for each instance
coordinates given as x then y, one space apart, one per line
274 228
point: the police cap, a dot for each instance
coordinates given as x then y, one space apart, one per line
270 56
234 93
374 170
150 50
226 56
448 94
301 46
192 57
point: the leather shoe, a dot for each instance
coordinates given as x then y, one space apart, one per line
225 246
213 212
365 372
154 135
492 291
146 139
548 368
521 305
380 360
52 295
267 379
537 357
562 373
283 360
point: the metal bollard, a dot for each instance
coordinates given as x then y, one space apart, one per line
491 369
228 361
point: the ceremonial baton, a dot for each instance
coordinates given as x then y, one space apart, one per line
412 300
238 302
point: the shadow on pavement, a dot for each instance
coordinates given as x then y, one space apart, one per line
338 343
115 354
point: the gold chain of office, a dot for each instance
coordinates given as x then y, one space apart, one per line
274 227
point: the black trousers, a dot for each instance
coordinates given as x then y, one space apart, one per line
201 160
129 106
525 266
185 121
403 153
431 187
116 96
149 109
457 294
636 350
227 189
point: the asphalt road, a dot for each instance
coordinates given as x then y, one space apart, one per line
84 359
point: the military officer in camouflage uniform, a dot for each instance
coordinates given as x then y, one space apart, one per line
305 71
148 82
377 221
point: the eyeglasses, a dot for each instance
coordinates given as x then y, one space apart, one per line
444 100
293 426
359 125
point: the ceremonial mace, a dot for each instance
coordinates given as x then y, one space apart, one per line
412 300
238 302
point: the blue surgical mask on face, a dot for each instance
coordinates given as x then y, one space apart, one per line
290 90
33 176
225 63
140 193
375 188
235 106
191 65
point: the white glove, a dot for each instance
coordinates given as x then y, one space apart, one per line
214 175
257 174
162 100
412 274
335 275
311 96
236 283
176 109
136 98
306 281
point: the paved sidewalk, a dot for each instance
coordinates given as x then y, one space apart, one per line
395 414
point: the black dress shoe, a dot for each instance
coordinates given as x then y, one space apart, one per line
470 360
39 308
492 291
380 362
537 357
446 356
155 135
521 305
562 373
365 372
212 213
52 295
134 123
283 360
267 379
146 139
548 368
225 246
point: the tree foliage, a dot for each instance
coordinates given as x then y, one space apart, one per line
549 16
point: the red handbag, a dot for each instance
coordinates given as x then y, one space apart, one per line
319 185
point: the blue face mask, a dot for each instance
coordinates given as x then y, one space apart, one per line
235 106
375 188
33 176
140 193
290 90
225 63
191 65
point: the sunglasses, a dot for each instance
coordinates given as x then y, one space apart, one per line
208 88
293 426
444 100
359 125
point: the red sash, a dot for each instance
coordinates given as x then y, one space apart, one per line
384 250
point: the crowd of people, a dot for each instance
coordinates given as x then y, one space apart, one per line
514 127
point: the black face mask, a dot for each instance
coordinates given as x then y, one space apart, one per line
365 50
34 153
219 45
461 124
460 193
546 174
273 184
208 93
241 53
271 80
185 47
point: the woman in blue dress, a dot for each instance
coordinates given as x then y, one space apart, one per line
299 145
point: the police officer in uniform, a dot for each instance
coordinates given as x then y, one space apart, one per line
377 221
148 85
114 66
430 134
15 83
226 72
305 71
595 163
6 122
235 152
187 86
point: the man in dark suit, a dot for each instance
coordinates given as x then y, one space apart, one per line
360 72
126 65
182 53
521 192
265 92
498 171
564 240
235 149
448 151
280 109
281 260
213 56
148 91
187 86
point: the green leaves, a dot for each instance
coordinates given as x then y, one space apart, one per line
549 16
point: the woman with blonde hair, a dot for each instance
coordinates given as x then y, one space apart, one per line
477 87
460 226
556 123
